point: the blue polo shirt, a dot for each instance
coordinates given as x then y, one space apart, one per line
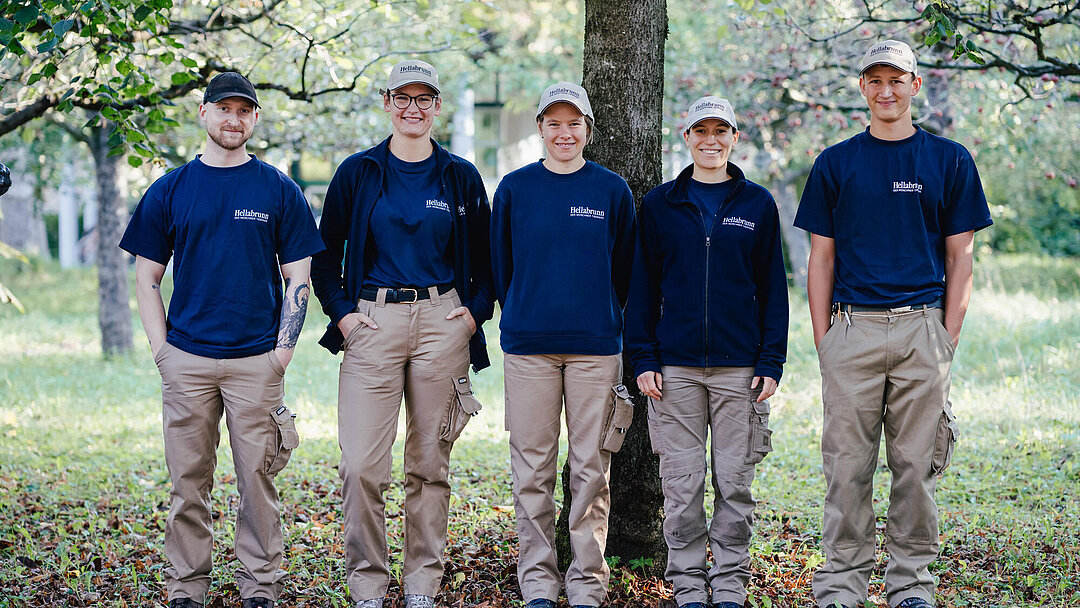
227 230
889 206
410 230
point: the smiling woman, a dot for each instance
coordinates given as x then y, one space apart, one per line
406 282
562 293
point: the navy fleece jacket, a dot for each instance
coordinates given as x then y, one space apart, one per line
561 249
338 272
708 296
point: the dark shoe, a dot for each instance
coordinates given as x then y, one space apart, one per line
540 602
184 602
257 602
583 606
693 605
727 605
375 602
914 602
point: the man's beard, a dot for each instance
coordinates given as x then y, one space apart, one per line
217 139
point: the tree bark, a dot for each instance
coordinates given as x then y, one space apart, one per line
114 311
624 76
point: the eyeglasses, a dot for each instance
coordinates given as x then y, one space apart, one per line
423 102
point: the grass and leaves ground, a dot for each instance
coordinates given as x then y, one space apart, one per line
83 485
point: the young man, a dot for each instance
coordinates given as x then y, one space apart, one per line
892 212
230 221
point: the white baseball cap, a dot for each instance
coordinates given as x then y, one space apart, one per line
565 92
711 107
890 52
413 71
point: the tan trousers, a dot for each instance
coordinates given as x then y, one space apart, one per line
536 387
891 371
697 401
195 391
419 354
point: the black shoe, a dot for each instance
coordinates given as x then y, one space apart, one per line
257 602
914 602
583 606
540 602
693 605
727 605
184 602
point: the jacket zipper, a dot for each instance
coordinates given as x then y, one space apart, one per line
708 244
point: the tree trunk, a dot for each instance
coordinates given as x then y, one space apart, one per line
624 76
114 312
796 240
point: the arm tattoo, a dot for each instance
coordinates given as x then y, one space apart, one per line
293 311
154 286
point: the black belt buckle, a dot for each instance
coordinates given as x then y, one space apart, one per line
415 295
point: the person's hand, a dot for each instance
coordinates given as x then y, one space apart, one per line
768 387
462 311
284 356
650 384
351 320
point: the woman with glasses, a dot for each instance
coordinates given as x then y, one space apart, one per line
562 238
406 282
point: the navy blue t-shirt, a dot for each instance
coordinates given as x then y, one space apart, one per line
889 206
707 197
410 228
561 252
229 229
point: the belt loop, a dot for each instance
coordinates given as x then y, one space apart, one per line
847 310
433 294
380 298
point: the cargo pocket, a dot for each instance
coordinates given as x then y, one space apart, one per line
619 417
947 433
284 441
760 436
462 406
656 429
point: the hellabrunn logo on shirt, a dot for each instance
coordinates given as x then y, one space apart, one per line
437 204
251 214
461 210
586 212
740 222
907 187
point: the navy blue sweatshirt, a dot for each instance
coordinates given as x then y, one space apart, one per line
561 251
708 295
337 273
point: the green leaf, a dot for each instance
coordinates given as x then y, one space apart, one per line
65 106
167 57
16 48
124 67
191 63
142 13
62 27
135 161
112 114
932 38
49 70
36 76
180 78
27 14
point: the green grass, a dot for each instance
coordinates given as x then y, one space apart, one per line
83 486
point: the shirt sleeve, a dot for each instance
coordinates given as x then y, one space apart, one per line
643 304
326 266
149 233
502 252
966 208
481 305
297 236
623 253
771 281
818 199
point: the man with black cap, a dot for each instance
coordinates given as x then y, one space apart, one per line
235 228
892 212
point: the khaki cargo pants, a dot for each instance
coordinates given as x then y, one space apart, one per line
536 387
698 401
883 370
419 354
195 391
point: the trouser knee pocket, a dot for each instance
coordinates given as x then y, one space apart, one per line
283 441
759 437
947 433
618 419
461 407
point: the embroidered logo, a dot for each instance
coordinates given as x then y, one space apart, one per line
587 212
461 210
915 187
740 222
437 204
251 214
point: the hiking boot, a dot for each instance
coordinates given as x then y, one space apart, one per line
413 600
693 605
257 602
375 602
914 602
727 605
184 602
540 602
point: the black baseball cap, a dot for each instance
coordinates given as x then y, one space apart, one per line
230 84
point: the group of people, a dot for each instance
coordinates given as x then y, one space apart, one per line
408 260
